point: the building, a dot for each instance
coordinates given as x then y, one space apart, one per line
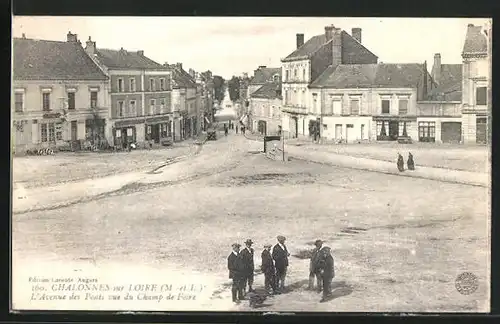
184 102
358 102
205 80
262 76
59 95
265 109
305 64
439 115
140 96
476 76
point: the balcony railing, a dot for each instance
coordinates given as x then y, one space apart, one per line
294 108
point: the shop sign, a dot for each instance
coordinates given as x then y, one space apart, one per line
51 115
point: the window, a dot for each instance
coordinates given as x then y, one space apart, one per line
337 107
304 75
481 96
295 73
132 85
386 104
362 131
151 84
59 136
152 104
48 132
120 109
133 111
355 107
19 101
71 100
46 101
287 76
315 102
43 130
162 104
93 99
402 129
118 133
427 131
276 78
120 85
403 106
382 130
162 84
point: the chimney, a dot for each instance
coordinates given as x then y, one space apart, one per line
141 53
71 38
356 34
436 69
90 47
179 66
300 40
336 46
329 32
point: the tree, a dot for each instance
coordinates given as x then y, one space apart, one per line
219 87
234 88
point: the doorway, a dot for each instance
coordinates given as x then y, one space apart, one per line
338 131
155 133
393 130
74 130
481 130
349 132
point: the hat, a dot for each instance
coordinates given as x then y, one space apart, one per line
235 245
249 241
281 237
267 245
317 242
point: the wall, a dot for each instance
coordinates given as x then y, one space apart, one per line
438 121
329 134
273 119
300 66
432 108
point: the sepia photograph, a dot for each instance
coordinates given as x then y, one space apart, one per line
251 164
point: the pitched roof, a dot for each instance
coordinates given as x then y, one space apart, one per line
475 41
53 60
317 42
123 59
370 76
271 90
181 79
449 85
264 74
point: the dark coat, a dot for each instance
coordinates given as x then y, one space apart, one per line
326 264
235 266
267 263
410 163
401 163
280 257
247 258
313 266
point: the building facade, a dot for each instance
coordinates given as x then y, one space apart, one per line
300 108
60 97
140 96
265 110
261 76
476 110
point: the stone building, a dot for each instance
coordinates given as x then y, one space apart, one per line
265 109
476 77
140 96
60 97
262 76
305 64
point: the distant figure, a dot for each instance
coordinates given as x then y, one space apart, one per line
226 130
401 163
280 256
236 130
268 269
314 272
235 267
248 265
327 271
410 163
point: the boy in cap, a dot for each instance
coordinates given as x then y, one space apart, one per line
268 269
313 266
248 264
280 256
236 270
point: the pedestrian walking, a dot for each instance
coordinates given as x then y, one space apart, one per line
327 271
248 265
400 163
280 257
267 267
410 163
235 267
314 271
226 130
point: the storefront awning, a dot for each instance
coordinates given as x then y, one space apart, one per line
395 118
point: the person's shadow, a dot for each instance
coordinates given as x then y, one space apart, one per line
339 289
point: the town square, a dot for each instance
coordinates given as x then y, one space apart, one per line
326 174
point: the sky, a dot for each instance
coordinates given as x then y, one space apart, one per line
229 46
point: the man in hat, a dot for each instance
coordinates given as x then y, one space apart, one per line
313 267
326 267
268 269
236 272
248 265
280 257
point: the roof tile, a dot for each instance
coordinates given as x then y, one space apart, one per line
475 41
122 59
264 75
271 90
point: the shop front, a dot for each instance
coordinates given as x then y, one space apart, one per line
158 129
125 133
390 128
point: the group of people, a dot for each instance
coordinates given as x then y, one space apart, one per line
401 163
274 266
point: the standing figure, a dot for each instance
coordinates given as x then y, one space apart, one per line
280 257
314 272
235 267
410 163
327 270
226 130
248 265
401 163
268 269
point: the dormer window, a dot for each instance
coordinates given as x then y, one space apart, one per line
276 78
